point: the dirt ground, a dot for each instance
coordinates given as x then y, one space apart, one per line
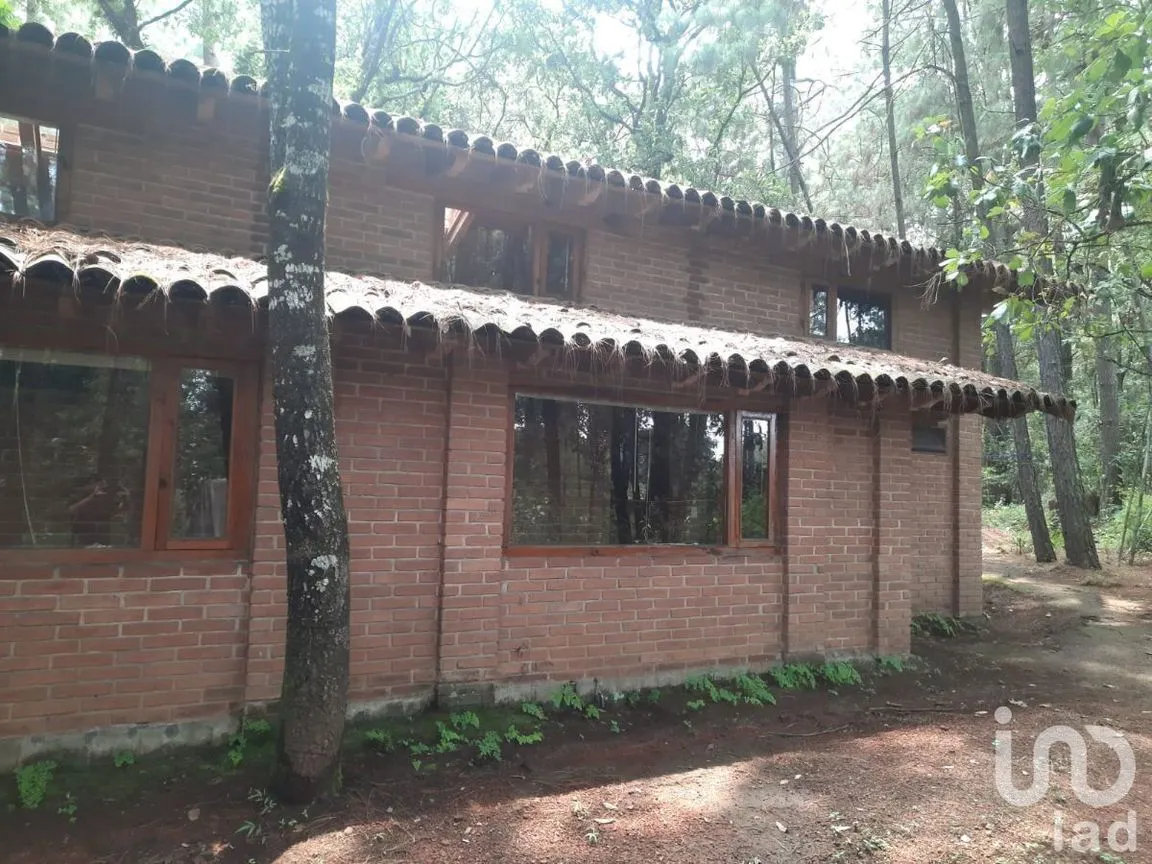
900 770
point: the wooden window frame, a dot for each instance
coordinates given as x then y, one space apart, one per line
63 164
732 474
539 230
833 293
156 542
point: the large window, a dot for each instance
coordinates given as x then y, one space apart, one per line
528 258
102 452
850 316
28 169
593 474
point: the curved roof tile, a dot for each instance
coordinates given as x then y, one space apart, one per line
214 81
181 275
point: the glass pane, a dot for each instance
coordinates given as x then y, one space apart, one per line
28 166
73 443
591 474
487 256
862 321
818 314
558 273
755 452
203 446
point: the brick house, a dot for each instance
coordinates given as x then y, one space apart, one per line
646 431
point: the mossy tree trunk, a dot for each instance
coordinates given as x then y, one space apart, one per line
300 38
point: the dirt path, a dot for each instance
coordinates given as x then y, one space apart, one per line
817 778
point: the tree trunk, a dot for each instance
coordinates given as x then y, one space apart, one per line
890 112
1109 397
964 103
790 124
300 38
1025 467
1079 544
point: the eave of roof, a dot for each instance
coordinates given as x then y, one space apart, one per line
112 62
130 269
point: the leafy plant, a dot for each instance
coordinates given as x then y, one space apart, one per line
940 626
263 799
614 727
449 740
417 748
567 698
515 736
249 731
32 782
533 709
891 663
839 674
654 696
754 690
705 684
464 720
381 738
68 808
124 758
417 764
591 712
489 747
794 676
695 704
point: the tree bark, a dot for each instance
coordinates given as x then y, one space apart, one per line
789 125
1079 544
890 113
1025 466
1107 391
300 38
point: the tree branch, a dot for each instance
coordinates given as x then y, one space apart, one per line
157 18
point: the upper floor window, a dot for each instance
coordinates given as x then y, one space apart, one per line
101 452
29 167
509 254
595 474
851 316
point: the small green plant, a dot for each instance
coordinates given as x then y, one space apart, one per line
249 829
754 690
794 676
417 764
32 782
940 626
489 746
591 712
614 727
449 740
263 799
654 696
632 698
567 698
124 758
695 704
891 664
417 748
464 720
840 674
249 731
381 739
705 684
515 736
532 709
68 808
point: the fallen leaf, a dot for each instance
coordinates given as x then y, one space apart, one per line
604 820
783 828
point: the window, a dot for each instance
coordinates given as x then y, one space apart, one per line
929 435
28 169
593 474
860 318
101 452
508 255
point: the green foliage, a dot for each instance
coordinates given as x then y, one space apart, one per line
694 704
464 720
533 709
32 782
840 674
515 736
68 808
940 626
891 664
250 732
592 712
754 690
490 746
124 758
566 698
794 676
381 739
705 684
